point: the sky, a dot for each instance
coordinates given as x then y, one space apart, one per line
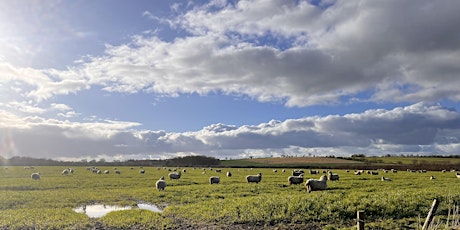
120 80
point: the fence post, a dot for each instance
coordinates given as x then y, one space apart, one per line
360 220
429 218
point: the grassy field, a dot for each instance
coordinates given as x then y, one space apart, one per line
192 203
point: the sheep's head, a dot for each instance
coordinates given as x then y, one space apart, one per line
323 177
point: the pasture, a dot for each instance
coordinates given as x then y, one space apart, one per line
193 203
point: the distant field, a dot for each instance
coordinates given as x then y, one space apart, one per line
331 161
289 161
415 160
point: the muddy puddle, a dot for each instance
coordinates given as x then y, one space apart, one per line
100 210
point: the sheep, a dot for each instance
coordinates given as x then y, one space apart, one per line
35 176
106 171
458 175
295 179
332 176
314 171
316 185
174 175
296 172
432 178
117 171
65 172
161 184
358 172
218 170
275 170
229 174
385 179
214 180
254 178
142 171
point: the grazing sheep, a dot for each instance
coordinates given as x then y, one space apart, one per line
35 176
161 184
117 171
295 179
316 185
174 175
229 174
374 173
142 171
332 176
284 170
314 172
386 179
65 172
297 172
218 170
275 170
357 172
106 171
214 180
432 178
458 175
254 178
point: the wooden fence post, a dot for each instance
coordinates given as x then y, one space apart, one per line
360 220
429 218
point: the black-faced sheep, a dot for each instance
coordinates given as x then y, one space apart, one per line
35 176
254 178
316 185
295 179
214 180
174 175
65 172
458 175
332 176
161 184
314 171
229 174
142 171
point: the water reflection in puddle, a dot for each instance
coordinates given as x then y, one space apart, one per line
100 210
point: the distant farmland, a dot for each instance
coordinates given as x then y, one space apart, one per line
290 162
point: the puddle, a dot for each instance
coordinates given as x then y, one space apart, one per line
100 210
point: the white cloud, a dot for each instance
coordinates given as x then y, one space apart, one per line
417 129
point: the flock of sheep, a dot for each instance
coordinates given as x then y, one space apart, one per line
297 177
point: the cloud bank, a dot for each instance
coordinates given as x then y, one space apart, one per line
417 129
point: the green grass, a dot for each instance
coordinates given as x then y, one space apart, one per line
192 202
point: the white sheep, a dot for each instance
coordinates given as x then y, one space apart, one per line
35 176
386 179
254 178
458 175
142 171
316 185
432 178
174 175
297 172
65 172
117 171
295 179
161 184
332 176
214 180
229 174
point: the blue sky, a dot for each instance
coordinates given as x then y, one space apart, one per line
229 79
